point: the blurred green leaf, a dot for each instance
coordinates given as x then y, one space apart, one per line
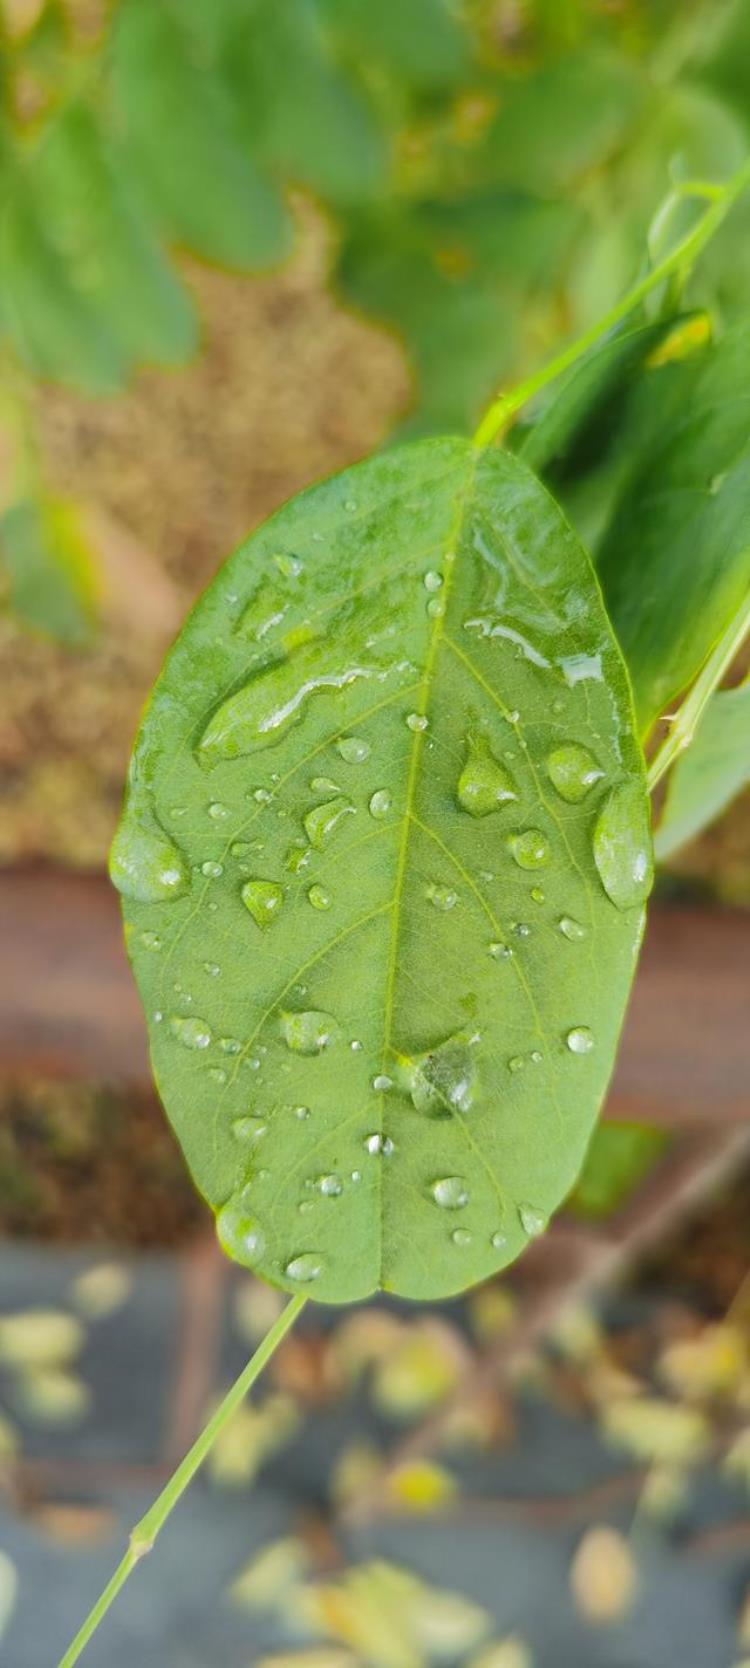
561 121
714 769
422 42
620 1155
50 570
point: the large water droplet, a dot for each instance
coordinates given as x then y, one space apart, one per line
444 1080
573 771
264 899
622 845
262 711
308 1032
533 1221
353 749
191 1032
580 1040
380 803
529 849
145 864
306 1266
570 929
451 1192
484 784
239 1233
321 820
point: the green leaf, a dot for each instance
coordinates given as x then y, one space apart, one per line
50 570
561 121
383 976
177 120
619 1158
421 44
715 767
675 560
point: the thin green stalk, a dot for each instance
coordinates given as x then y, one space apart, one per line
682 256
144 1534
683 726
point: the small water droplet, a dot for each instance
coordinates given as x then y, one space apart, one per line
378 1143
533 1221
191 1032
262 796
321 820
416 721
350 504
521 929
298 857
230 1045
150 940
500 951
530 849
381 1083
461 1236
288 565
301 1112
573 771
353 749
217 1074
211 869
451 1192
622 845
330 1185
571 929
308 1032
443 897
484 784
263 898
249 1130
380 803
239 1233
580 1040
432 580
324 784
217 811
498 1240
537 895
306 1266
319 897
356 1175
436 608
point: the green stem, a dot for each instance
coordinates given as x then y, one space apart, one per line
683 255
683 726
144 1534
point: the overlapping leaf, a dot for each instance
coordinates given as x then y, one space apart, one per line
384 859
715 768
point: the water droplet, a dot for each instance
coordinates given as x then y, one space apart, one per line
260 713
150 940
443 897
484 784
571 929
451 1192
381 1083
212 968
537 895
529 849
378 1143
573 771
264 899
244 848
356 1175
331 1186
192 1032
521 929
580 1040
239 1233
319 897
622 845
498 1240
230 1045
443 1081
350 504
533 1221
249 1130
380 803
461 1236
417 721
516 1063
500 951
288 565
297 857
301 1112
144 864
436 608
217 1074
321 820
581 668
262 796
432 581
353 749
309 1032
217 811
306 1266
212 870
324 784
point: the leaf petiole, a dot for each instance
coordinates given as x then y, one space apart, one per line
144 1534
684 725
683 255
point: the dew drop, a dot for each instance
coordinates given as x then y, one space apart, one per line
573 771
353 749
306 1266
249 1130
217 811
484 784
436 608
432 580
500 951
144 864
380 803
516 1063
461 1236
533 1221
622 845
530 849
321 820
212 870
324 784
571 929
498 1240
381 1083
330 1185
239 1233
443 897
263 898
443 1081
301 1112
191 1032
230 1045
537 895
212 968
521 929
308 1032
319 897
150 940
451 1192
580 1040
377 1143
217 1074
416 721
